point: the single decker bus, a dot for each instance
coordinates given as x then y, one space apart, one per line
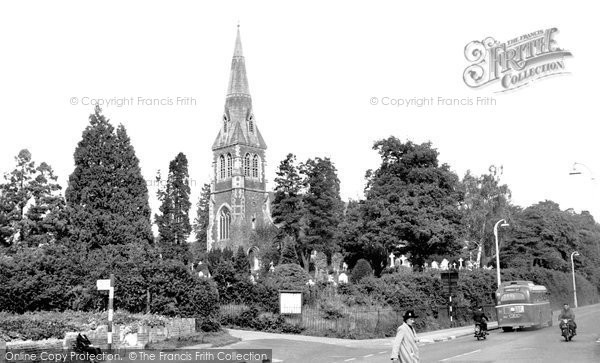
522 304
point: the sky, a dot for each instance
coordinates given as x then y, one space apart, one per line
315 70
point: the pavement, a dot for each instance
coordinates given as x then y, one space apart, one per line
424 338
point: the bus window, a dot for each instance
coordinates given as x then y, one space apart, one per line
513 297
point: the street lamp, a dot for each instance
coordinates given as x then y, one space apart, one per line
577 171
504 224
575 253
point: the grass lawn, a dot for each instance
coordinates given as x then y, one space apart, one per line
215 339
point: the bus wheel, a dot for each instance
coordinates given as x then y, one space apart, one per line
507 328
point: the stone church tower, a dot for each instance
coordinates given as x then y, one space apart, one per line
239 200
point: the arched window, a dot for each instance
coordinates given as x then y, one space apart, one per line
224 223
247 165
225 123
255 166
229 165
222 167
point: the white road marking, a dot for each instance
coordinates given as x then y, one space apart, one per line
382 352
349 360
461 355
368 355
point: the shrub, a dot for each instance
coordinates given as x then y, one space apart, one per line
361 270
288 277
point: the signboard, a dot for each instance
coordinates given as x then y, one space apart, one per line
450 278
290 302
103 284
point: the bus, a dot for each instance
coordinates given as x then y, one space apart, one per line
522 304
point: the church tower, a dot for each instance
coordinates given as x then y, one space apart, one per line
239 200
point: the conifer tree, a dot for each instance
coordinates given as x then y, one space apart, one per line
107 196
241 262
288 255
200 226
287 204
174 221
31 205
323 206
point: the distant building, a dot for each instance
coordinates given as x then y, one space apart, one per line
239 199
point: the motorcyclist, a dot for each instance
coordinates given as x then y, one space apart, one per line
567 313
480 318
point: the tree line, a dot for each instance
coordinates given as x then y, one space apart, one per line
413 205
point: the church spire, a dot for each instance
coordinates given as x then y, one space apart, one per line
238 82
239 125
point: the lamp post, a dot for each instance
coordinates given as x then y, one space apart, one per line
576 171
504 224
575 253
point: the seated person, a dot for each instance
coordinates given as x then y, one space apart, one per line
480 318
567 313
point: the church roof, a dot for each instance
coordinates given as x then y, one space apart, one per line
239 125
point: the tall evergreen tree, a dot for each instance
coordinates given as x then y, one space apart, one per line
107 196
351 230
241 261
412 203
323 206
174 222
31 205
288 209
288 254
200 226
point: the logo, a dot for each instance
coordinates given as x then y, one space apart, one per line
515 63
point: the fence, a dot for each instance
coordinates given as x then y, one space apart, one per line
373 322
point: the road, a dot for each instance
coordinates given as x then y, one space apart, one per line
530 345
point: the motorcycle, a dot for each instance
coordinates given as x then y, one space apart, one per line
566 330
480 333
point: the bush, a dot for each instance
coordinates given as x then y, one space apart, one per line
361 270
288 277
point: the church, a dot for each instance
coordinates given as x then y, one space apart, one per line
239 200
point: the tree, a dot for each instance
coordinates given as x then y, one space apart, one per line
31 205
486 202
320 263
241 262
336 261
107 196
174 221
323 206
542 235
288 254
287 208
412 203
200 226
351 229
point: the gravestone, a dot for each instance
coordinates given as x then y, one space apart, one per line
444 264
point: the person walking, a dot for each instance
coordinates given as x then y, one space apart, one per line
404 347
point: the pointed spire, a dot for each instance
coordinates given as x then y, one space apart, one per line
237 52
238 82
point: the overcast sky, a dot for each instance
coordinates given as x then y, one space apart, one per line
313 69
